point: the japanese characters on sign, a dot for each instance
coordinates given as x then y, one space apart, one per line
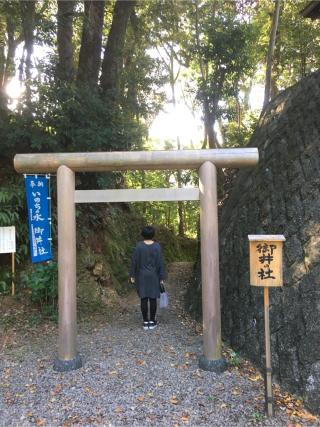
37 190
266 260
7 240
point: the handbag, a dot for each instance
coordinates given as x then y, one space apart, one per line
162 288
164 300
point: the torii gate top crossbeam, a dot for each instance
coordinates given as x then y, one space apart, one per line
130 160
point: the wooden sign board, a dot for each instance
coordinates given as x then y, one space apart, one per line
7 240
266 260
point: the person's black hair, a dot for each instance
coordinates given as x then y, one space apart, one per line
148 232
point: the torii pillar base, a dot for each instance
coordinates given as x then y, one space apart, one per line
218 365
67 365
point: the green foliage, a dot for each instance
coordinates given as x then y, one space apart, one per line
35 319
12 209
297 49
8 320
43 284
227 54
235 359
165 213
68 118
225 48
258 417
5 282
238 134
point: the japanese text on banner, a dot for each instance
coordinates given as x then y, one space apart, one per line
37 190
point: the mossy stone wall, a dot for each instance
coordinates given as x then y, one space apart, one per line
280 196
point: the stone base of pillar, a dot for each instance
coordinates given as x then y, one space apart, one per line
218 366
68 365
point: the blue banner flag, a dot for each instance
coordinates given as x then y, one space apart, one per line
38 201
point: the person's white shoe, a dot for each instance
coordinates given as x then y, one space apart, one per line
152 324
145 325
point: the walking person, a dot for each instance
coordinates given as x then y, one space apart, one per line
147 273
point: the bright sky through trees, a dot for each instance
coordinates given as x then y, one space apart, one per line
169 123
188 125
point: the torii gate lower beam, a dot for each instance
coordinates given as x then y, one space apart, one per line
66 164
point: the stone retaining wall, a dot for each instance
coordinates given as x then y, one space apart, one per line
280 196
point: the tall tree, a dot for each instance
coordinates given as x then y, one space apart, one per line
28 21
91 42
65 67
221 54
113 55
11 34
272 42
210 136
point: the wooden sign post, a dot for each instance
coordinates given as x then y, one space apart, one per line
8 245
266 271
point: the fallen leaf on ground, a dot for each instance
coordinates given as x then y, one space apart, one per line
304 415
185 418
90 391
141 398
56 390
256 378
174 400
140 362
118 409
40 422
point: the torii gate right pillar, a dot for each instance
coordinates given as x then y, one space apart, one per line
211 360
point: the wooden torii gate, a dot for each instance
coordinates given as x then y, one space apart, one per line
66 164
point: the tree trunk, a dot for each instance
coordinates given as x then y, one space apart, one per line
239 115
209 122
28 9
91 42
180 203
181 231
246 104
3 99
11 43
65 67
272 42
143 185
113 55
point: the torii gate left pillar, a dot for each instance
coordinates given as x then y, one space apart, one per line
66 164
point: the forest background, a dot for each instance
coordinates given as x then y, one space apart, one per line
95 75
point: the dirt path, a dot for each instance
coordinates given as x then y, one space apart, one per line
130 377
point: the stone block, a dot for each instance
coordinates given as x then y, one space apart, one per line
313 387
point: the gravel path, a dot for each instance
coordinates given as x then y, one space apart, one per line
131 377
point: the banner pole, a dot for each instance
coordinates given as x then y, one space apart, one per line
13 287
